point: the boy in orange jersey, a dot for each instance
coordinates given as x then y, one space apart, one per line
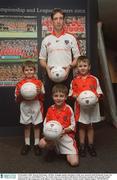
85 81
62 113
30 110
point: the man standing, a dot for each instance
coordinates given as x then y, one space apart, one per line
58 49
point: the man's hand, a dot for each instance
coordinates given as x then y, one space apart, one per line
67 70
48 69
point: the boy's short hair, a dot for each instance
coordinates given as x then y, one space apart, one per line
83 59
28 63
60 88
57 10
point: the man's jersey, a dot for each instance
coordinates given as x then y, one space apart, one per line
59 51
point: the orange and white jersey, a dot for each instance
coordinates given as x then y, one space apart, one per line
65 116
37 82
80 84
59 50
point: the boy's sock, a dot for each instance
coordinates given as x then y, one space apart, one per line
36 141
27 141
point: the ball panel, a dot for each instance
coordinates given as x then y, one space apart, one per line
58 74
87 99
52 130
28 91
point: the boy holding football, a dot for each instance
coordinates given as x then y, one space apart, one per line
31 108
86 117
62 113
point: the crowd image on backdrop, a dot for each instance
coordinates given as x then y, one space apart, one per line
12 73
17 24
23 48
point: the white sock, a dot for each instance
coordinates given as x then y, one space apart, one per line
36 141
27 141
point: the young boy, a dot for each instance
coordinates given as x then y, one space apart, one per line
31 110
62 113
85 81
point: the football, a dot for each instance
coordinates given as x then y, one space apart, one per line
87 99
58 74
52 130
28 91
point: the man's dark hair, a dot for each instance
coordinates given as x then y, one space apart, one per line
57 10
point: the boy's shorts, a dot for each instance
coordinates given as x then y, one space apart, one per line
30 112
66 145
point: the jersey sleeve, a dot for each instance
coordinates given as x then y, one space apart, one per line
75 49
99 90
73 91
72 120
43 51
18 96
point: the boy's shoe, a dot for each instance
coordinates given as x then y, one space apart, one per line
50 155
91 150
37 150
25 150
82 150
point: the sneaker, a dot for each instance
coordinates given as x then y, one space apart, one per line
37 150
82 150
25 150
50 155
91 150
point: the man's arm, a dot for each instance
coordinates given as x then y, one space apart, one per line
43 63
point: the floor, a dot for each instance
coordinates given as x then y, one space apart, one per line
106 162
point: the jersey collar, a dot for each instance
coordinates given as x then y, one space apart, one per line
55 34
80 76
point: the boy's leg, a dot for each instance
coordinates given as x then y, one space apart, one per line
67 146
82 135
26 147
73 159
50 146
90 134
37 150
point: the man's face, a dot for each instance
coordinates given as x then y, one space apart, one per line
58 22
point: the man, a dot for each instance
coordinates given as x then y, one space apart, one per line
58 49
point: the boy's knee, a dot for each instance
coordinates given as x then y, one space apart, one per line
73 160
74 163
42 143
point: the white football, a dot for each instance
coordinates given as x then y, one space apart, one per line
28 91
87 99
52 130
58 74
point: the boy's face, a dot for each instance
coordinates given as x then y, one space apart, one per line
29 72
83 68
59 98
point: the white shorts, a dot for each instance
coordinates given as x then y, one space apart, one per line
30 112
88 116
66 145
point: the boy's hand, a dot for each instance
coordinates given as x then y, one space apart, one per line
66 130
67 70
38 90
